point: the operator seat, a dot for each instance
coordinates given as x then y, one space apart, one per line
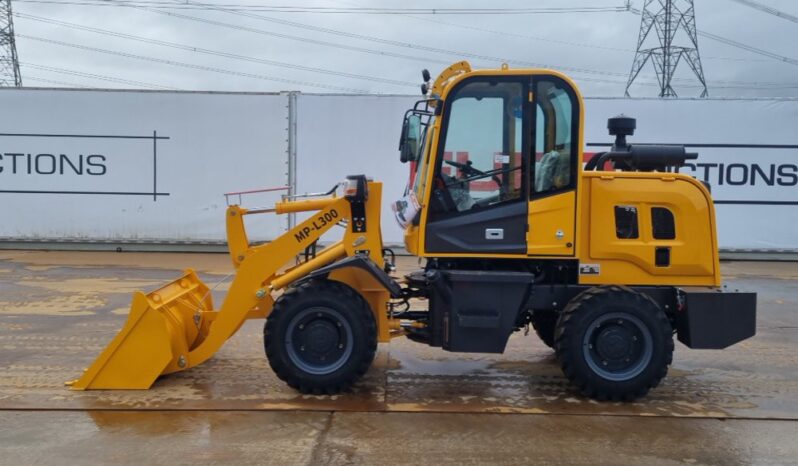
553 171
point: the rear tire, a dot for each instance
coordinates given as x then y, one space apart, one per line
544 323
614 343
320 337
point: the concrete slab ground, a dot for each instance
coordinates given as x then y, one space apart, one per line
416 404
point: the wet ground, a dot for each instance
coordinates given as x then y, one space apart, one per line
416 404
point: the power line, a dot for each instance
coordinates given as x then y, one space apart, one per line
767 9
583 44
373 39
398 11
192 66
338 10
196 49
378 52
53 81
409 45
302 39
728 84
100 77
749 48
416 58
412 46
556 41
518 35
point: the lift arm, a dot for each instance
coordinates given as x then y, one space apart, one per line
175 327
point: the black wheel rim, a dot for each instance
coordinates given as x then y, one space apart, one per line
617 346
319 340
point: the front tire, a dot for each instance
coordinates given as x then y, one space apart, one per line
614 343
320 337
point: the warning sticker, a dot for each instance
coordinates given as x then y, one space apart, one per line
501 159
589 269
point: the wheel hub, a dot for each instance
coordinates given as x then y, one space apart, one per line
320 337
614 342
617 346
319 340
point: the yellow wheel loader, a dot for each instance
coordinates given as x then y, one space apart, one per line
607 259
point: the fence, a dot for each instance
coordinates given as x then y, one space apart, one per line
143 167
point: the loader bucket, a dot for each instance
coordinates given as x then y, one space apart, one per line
161 329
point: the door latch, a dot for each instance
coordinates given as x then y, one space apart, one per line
494 233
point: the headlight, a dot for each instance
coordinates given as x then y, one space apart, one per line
356 187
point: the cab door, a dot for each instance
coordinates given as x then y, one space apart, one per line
477 202
555 168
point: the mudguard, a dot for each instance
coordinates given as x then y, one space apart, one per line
359 261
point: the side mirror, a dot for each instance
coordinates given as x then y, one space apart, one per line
403 142
410 142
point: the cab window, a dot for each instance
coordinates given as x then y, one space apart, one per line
555 137
481 164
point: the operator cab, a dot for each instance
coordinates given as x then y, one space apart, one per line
506 141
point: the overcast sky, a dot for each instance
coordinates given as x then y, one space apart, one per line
596 49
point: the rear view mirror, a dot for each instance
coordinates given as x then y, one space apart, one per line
410 142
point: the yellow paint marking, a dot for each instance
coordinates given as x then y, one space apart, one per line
74 297
80 304
93 285
212 263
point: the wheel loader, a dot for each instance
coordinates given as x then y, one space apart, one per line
607 257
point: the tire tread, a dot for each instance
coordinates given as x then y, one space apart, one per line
569 323
292 298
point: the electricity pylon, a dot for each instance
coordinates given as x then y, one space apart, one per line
673 24
9 62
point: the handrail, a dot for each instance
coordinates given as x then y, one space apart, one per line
264 190
288 197
284 197
252 191
259 210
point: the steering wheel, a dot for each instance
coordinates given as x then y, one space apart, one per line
469 169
